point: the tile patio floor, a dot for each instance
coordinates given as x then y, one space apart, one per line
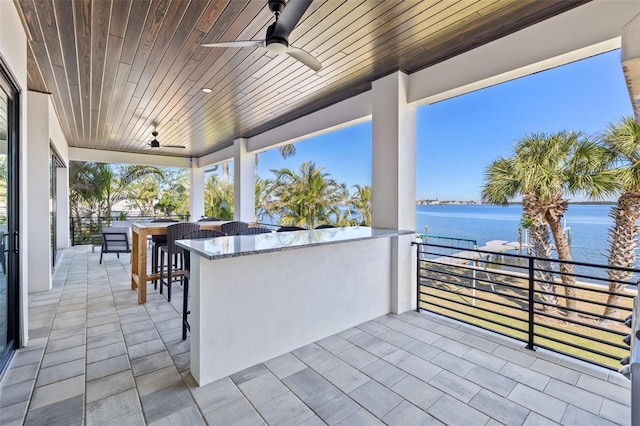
97 357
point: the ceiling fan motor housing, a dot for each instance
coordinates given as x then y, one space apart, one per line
275 45
154 143
276 6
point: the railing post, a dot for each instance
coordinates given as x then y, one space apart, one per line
531 316
417 277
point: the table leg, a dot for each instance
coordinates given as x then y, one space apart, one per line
142 266
134 257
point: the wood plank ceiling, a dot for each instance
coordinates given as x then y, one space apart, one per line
118 69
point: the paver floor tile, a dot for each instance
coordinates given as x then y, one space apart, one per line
376 398
240 412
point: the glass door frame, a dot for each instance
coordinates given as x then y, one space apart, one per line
53 209
55 163
9 84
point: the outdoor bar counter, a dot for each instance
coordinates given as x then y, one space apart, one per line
255 297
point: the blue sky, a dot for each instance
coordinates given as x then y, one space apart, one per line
459 137
344 153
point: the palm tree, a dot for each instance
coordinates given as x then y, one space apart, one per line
288 150
263 187
101 185
263 192
361 200
502 184
225 172
306 198
174 199
95 187
623 139
543 169
218 198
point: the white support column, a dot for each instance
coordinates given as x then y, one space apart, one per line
244 181
196 191
62 205
38 228
393 189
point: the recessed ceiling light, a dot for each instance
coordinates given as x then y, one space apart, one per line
207 89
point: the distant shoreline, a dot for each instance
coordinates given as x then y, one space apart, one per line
478 203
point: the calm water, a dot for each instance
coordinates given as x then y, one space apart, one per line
589 226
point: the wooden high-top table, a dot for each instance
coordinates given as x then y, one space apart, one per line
140 232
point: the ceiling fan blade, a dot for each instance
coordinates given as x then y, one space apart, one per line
237 43
304 57
172 146
290 17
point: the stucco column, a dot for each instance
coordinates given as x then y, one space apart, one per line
393 189
62 205
244 181
37 229
196 191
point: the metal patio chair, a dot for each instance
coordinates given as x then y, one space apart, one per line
174 254
194 235
290 228
254 231
234 227
115 240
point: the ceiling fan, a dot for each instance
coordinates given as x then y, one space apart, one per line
277 39
155 144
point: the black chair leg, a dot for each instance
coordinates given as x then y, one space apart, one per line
100 257
185 306
155 253
161 271
169 282
154 264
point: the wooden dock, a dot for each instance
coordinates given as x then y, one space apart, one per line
466 256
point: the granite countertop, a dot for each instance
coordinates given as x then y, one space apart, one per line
242 245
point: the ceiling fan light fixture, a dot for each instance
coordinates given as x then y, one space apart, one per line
207 89
277 46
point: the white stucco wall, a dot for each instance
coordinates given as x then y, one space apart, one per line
196 192
59 142
117 157
38 194
241 316
244 182
63 239
13 51
393 180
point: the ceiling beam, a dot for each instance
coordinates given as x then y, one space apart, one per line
117 157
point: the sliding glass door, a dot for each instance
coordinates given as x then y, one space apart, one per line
55 163
9 278
53 211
